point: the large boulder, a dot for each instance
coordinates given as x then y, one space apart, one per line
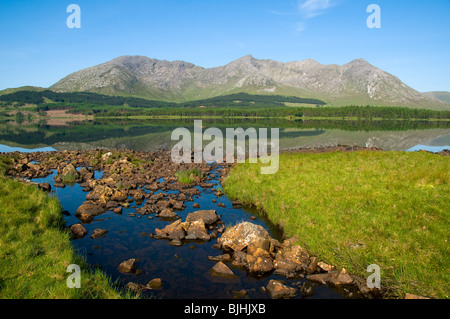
207 216
245 235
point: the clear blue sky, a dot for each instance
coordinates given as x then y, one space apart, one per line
37 48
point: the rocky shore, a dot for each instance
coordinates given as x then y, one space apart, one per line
125 176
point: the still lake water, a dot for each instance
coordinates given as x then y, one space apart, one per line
185 270
151 135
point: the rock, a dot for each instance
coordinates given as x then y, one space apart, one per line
139 197
83 172
286 268
259 265
245 235
104 194
128 266
137 288
240 259
190 191
176 243
221 205
197 230
325 267
155 283
98 233
176 230
292 260
111 204
332 278
163 204
177 205
344 278
209 217
307 289
278 290
118 210
323 279
240 294
196 205
168 213
152 187
45 187
78 231
223 258
312 267
106 155
222 270
88 210
69 173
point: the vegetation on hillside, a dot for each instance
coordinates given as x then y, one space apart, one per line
233 105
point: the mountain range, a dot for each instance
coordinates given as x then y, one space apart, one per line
355 83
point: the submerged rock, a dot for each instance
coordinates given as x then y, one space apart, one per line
98 233
128 266
155 283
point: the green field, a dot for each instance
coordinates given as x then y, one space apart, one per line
355 209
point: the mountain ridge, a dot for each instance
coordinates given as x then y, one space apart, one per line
357 82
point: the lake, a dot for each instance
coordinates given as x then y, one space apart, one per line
149 135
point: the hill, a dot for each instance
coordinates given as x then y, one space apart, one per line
355 83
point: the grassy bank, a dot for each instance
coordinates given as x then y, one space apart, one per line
362 208
35 249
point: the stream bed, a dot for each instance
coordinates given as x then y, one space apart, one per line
184 270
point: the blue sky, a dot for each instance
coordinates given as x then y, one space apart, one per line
37 48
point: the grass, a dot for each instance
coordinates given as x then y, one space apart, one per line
69 178
187 176
35 249
355 209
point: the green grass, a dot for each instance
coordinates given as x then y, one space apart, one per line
187 176
69 178
35 249
362 208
